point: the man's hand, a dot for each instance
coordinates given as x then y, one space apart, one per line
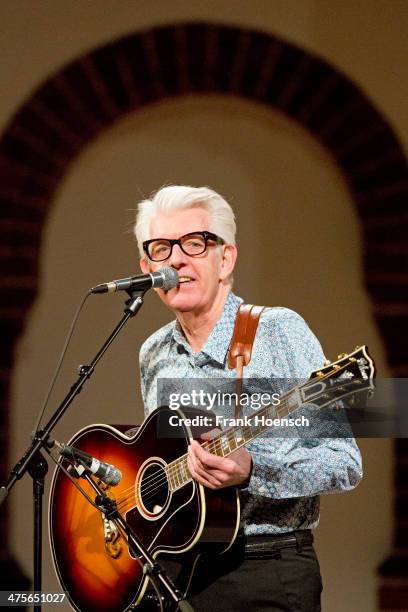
218 472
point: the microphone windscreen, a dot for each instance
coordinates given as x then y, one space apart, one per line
170 278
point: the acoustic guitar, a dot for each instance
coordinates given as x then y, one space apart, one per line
170 512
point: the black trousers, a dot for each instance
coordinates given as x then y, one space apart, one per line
261 573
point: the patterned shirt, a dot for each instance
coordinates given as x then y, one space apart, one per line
288 473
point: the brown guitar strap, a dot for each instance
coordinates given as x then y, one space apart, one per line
240 350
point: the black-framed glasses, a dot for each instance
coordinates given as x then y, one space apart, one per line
192 244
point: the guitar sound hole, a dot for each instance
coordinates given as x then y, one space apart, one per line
154 490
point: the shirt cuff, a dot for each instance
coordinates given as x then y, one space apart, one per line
245 484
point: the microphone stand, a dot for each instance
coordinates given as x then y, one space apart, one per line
151 568
34 462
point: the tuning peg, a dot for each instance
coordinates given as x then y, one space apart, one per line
327 362
342 356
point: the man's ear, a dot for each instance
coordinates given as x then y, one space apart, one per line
229 258
144 266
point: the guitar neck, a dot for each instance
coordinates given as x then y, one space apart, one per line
349 375
233 438
248 428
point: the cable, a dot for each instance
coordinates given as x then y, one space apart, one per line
59 364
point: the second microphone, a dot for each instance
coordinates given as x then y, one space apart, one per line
106 472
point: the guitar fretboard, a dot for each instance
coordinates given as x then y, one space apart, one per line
349 375
230 440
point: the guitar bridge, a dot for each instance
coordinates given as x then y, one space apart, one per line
111 537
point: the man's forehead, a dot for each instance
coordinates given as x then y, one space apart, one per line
179 222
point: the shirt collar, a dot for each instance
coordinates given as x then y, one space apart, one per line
218 341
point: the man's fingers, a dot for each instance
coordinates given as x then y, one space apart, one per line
201 475
209 435
206 458
217 472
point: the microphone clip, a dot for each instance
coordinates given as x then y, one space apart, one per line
135 301
77 469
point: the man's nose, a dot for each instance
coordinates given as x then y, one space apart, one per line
177 257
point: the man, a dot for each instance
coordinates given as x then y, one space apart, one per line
272 565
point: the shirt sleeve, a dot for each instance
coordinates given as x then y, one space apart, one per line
305 468
297 467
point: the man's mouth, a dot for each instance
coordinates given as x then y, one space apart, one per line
185 279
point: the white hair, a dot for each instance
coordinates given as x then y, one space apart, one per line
179 197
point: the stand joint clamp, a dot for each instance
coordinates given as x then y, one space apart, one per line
85 370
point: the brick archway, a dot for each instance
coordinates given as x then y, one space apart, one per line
74 105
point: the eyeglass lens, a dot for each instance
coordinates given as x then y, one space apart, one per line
192 244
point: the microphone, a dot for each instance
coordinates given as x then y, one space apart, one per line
166 279
109 474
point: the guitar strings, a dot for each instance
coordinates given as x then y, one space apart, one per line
150 487
160 479
171 471
173 468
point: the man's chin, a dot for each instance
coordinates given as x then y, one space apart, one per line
180 299
179 302
181 305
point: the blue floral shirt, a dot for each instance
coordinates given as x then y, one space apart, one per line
288 473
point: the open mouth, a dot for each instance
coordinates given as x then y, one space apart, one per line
185 279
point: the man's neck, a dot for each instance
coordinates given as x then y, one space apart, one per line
197 327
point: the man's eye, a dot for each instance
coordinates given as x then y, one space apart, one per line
160 248
194 244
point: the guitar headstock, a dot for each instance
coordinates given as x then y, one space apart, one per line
356 364
348 375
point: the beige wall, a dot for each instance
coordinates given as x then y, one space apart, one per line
367 39
299 238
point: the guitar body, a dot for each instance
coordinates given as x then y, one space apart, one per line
91 556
